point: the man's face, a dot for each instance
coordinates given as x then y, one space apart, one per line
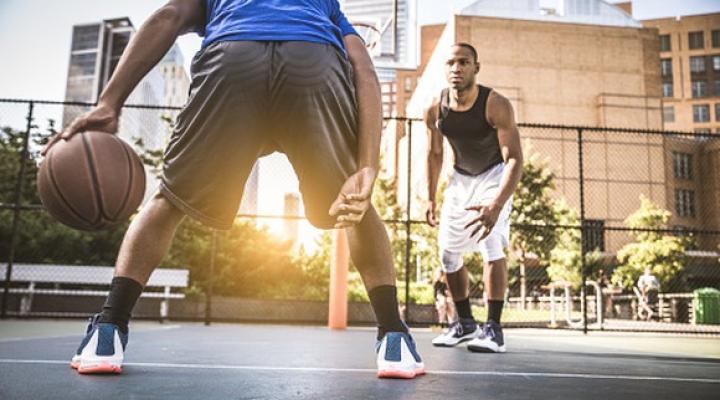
460 68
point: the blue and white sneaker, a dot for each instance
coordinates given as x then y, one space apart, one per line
460 331
101 351
397 357
491 339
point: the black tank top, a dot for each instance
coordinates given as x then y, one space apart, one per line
473 140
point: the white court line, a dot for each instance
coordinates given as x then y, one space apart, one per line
368 370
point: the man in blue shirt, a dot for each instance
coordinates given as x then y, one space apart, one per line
286 75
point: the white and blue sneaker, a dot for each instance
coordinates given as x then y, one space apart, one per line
459 331
397 357
491 339
102 349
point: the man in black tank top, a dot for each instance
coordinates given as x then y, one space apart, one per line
480 126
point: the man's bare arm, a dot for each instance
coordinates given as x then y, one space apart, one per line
502 116
434 158
149 44
354 197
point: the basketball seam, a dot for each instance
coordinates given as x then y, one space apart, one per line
56 189
131 175
96 185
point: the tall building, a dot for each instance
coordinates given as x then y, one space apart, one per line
689 54
95 51
690 68
177 82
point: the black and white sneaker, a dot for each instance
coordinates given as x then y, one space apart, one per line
490 340
460 331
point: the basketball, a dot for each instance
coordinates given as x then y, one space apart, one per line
92 181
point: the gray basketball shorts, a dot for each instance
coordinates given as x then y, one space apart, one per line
248 99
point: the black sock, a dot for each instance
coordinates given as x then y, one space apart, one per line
383 300
124 293
495 310
463 309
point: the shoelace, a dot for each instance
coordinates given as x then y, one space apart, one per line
456 329
488 331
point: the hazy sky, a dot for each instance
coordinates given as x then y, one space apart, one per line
35 34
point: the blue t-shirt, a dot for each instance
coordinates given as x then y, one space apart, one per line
319 21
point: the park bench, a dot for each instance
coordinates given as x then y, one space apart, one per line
29 280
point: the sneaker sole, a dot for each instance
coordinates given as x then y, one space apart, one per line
486 349
102 368
398 374
463 340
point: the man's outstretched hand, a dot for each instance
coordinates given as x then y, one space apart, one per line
354 198
102 118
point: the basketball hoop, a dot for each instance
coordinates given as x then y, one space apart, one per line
370 34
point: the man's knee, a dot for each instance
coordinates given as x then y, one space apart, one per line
451 262
160 207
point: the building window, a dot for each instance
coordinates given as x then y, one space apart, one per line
697 64
594 235
701 113
696 40
682 163
669 114
717 111
699 89
716 38
666 67
717 88
685 202
667 89
665 43
716 63
408 84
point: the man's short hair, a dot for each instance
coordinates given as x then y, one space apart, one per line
469 47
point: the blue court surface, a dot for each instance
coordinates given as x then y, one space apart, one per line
243 361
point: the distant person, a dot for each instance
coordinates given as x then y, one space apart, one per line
443 299
649 287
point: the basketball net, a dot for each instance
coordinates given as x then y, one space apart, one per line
370 35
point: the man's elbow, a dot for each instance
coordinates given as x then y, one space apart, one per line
172 15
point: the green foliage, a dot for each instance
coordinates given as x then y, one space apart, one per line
424 246
533 205
663 254
41 239
249 262
565 261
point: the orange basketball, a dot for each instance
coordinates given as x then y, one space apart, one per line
92 181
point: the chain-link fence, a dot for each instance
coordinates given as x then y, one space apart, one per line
611 229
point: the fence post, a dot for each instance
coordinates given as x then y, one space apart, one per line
16 208
211 278
583 234
407 221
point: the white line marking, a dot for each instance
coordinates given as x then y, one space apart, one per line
368 370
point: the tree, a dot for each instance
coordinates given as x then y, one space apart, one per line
533 215
41 238
565 261
663 254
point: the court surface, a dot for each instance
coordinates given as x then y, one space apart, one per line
244 361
